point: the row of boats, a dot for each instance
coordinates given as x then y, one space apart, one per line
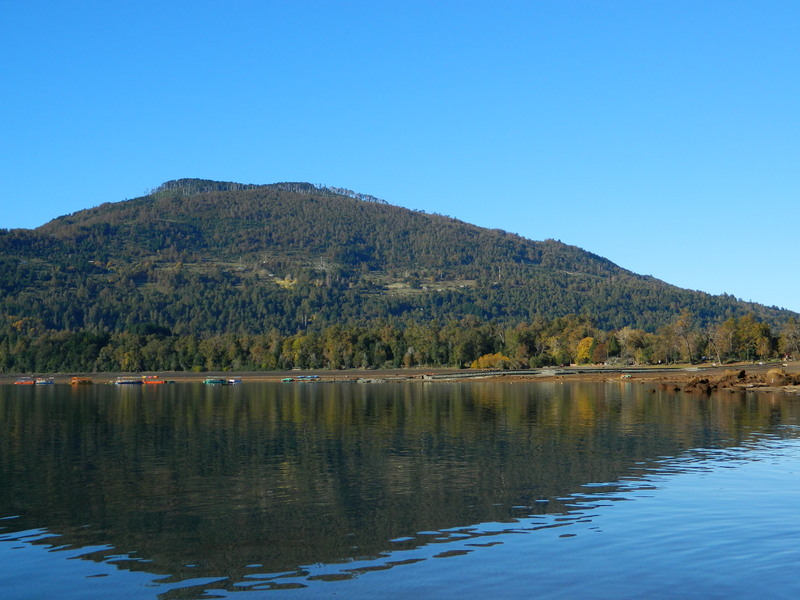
153 379
143 380
149 380
35 381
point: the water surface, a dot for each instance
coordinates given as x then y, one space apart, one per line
428 490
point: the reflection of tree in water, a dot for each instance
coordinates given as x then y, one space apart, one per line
290 475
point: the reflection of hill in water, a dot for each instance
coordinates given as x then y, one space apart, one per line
289 475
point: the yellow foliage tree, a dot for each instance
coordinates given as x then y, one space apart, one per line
584 350
491 361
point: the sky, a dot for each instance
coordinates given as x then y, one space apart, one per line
663 135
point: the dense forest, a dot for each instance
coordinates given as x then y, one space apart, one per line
215 275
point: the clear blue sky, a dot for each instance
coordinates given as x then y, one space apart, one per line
663 135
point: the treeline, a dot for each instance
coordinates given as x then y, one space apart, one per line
24 347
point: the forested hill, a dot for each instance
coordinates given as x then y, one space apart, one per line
205 257
301 227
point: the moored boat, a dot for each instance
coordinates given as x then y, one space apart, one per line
45 381
80 381
152 380
128 381
25 381
215 381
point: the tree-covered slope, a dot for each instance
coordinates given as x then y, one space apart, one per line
199 256
309 223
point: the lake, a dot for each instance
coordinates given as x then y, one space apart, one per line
407 490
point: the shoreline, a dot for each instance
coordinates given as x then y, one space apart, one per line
691 378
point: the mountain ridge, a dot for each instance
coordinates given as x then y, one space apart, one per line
271 235
206 188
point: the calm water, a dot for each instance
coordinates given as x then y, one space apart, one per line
417 490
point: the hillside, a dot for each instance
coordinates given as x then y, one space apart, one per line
199 257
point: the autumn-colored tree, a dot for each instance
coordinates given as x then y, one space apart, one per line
631 342
789 343
585 350
599 353
668 345
491 361
756 338
727 338
684 330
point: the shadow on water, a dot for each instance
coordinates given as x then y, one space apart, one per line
249 487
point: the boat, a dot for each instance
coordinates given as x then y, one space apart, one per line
80 381
25 381
128 381
287 379
221 381
152 380
45 381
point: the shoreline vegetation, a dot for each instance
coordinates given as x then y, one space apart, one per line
702 379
